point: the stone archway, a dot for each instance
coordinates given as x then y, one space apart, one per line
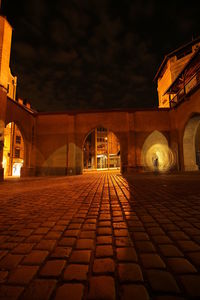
101 150
156 154
191 144
13 150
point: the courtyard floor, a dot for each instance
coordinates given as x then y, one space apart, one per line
100 236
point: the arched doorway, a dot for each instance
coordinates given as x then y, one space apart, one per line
191 144
156 154
101 150
13 151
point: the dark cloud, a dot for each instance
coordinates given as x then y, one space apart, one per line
94 54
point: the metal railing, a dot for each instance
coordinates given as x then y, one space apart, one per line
188 87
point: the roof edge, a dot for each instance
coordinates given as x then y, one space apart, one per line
172 53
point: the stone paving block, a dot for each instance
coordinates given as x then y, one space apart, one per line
90 220
61 252
16 239
104 251
89 227
71 233
74 226
80 256
191 284
192 231
104 240
140 236
104 217
36 257
3 275
195 257
130 272
188 246
10 261
120 232
10 292
131 291
53 235
152 261
39 290
181 265
42 230
122 242
103 265
22 275
88 234
8 246
120 225
162 281
45 245
178 235
34 238
162 239
70 291
48 224
104 223
23 248
170 251
101 288
3 238
52 268
126 254
67 241
76 272
104 231
59 228
3 253
85 244
145 247
154 231
25 232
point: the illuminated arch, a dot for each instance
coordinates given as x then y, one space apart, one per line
156 154
101 149
191 144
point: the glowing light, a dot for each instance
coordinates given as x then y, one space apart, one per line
4 163
17 169
159 157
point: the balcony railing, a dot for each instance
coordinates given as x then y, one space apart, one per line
188 86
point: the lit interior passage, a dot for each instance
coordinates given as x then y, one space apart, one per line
13 151
156 154
101 150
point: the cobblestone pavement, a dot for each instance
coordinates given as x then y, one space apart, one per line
100 236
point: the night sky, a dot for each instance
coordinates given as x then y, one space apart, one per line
95 54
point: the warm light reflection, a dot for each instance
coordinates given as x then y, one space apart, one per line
17 169
159 157
13 151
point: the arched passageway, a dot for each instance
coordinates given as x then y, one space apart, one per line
13 151
191 144
156 154
101 150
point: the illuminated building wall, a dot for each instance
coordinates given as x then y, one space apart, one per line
171 67
5 48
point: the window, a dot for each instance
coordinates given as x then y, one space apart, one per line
18 139
17 153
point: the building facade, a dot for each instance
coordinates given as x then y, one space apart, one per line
166 138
